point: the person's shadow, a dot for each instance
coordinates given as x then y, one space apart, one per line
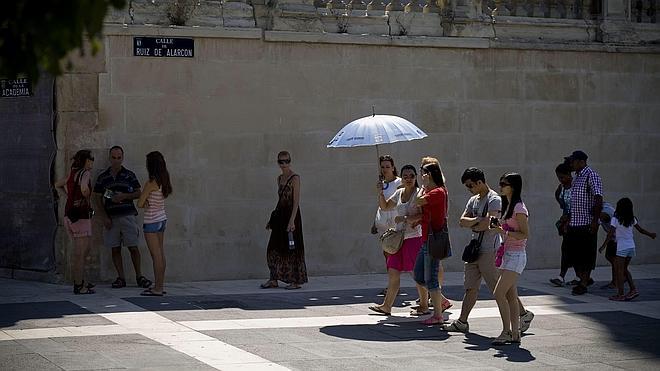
512 352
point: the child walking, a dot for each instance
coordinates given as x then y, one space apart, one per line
621 231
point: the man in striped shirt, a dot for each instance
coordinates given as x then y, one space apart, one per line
586 206
115 190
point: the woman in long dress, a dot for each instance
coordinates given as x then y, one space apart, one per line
286 259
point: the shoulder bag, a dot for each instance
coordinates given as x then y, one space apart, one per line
471 251
392 240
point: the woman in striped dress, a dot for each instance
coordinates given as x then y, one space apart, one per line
152 199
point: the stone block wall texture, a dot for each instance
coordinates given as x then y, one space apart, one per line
221 117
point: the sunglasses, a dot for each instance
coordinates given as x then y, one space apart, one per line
504 184
409 176
282 162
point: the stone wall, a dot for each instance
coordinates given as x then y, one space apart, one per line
221 117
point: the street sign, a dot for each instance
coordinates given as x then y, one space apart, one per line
163 47
15 88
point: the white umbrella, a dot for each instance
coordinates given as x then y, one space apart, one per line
374 130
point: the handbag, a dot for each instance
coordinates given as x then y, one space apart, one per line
471 251
392 240
438 242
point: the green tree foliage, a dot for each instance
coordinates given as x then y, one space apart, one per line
36 35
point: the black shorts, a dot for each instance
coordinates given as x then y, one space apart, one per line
581 248
610 250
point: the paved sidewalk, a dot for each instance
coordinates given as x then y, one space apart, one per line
326 325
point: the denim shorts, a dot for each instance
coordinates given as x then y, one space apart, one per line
514 261
426 269
626 253
154 227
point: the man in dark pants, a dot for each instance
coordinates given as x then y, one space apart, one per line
586 206
114 192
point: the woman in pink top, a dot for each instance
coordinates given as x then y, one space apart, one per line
514 229
153 197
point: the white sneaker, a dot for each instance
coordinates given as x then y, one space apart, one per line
526 320
457 326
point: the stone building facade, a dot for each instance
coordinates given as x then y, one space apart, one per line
511 90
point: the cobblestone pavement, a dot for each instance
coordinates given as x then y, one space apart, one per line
324 326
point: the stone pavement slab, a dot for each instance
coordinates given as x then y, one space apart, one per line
326 325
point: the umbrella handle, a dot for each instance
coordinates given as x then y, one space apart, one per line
380 175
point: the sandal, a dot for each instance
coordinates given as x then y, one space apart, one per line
631 295
380 310
268 285
618 298
292 286
119 283
419 312
149 292
433 320
78 289
446 304
143 282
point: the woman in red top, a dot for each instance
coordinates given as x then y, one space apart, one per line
77 215
434 213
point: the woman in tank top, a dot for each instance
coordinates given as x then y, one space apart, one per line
152 199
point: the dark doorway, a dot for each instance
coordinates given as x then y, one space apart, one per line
27 206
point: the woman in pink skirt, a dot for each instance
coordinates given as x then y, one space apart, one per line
403 201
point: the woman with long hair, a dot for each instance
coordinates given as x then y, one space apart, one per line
285 254
77 187
514 229
433 202
152 199
403 200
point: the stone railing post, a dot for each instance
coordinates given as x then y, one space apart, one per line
616 26
470 9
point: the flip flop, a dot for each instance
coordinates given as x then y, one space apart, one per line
291 287
148 292
379 310
446 304
433 320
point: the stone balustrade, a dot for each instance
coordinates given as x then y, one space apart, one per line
562 9
627 22
644 11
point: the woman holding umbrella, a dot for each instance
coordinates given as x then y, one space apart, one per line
286 250
389 182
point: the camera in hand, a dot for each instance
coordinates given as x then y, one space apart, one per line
494 222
